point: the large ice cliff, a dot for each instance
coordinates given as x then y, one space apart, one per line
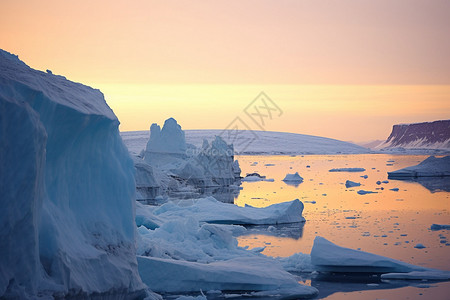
67 189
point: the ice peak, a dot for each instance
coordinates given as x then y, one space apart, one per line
169 139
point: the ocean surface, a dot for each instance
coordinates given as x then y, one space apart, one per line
387 222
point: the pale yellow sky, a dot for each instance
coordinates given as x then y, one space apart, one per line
344 69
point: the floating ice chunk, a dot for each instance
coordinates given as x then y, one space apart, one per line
238 274
255 177
363 192
349 184
298 262
419 246
430 167
394 189
347 170
419 275
326 256
212 211
439 227
364 176
293 177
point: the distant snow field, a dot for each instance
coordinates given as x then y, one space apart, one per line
256 142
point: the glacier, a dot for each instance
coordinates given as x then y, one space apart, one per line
67 190
170 167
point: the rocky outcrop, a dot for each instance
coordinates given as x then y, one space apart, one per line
427 135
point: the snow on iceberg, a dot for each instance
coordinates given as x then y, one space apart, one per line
238 274
212 211
67 189
293 178
430 167
329 257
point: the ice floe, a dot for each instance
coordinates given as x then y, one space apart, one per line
293 178
349 184
347 170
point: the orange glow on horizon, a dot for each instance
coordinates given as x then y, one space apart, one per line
347 70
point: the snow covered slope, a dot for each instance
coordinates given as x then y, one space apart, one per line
256 142
67 189
427 135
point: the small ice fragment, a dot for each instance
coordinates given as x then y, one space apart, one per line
363 192
349 184
394 189
347 170
419 246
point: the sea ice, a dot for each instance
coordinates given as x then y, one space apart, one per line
363 192
349 184
328 257
347 170
212 211
293 177
419 246
238 274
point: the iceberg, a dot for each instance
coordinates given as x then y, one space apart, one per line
67 190
329 257
255 177
212 211
430 167
293 178
238 274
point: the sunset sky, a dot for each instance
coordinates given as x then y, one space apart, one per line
342 69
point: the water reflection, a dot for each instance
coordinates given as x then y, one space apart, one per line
335 283
292 231
433 184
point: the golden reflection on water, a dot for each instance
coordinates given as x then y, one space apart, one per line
387 223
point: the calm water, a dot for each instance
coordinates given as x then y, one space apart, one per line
388 223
